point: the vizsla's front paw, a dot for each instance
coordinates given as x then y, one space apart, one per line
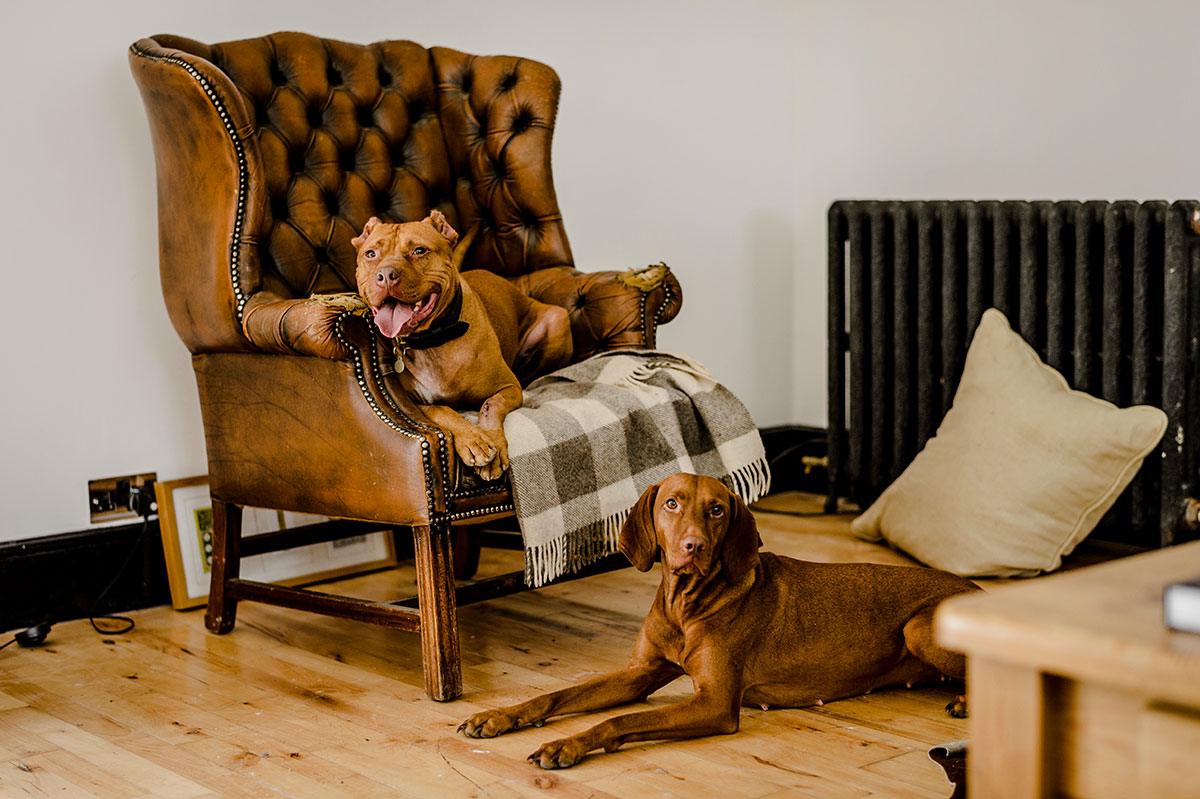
958 707
562 753
489 724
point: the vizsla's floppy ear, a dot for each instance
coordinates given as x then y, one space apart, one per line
438 220
739 548
357 241
639 540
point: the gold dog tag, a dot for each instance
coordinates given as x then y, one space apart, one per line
399 350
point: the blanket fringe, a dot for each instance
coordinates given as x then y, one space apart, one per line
567 554
752 481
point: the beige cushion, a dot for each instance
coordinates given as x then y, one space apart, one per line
1020 471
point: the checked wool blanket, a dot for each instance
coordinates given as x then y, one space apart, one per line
591 437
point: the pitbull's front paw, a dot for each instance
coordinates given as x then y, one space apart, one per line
490 723
562 753
493 469
474 447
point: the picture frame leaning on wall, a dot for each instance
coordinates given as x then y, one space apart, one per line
185 520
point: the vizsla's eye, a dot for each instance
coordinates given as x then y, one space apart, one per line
671 503
717 510
419 250
370 253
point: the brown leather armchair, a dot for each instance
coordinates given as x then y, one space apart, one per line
271 154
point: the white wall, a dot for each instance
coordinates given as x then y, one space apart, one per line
709 135
1029 99
675 143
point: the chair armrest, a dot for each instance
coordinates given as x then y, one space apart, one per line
609 309
319 435
300 327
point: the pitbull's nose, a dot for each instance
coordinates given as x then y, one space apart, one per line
387 277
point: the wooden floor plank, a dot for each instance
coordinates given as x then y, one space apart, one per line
295 705
18 743
23 779
109 756
82 774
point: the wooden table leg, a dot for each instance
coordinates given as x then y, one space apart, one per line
1007 756
439 611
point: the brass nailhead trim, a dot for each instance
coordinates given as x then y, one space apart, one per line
468 514
360 375
377 371
478 492
243 170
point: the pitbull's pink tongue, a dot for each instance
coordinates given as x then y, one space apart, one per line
391 316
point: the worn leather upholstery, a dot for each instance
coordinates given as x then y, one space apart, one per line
271 154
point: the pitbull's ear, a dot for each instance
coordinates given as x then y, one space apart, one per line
438 220
639 539
357 241
739 548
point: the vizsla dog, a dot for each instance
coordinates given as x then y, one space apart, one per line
751 629
461 339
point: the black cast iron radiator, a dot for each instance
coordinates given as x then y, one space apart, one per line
1107 293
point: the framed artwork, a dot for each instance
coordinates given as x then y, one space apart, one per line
185 519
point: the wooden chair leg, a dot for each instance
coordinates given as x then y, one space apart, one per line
226 565
466 550
439 611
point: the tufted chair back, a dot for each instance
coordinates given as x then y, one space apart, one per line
335 133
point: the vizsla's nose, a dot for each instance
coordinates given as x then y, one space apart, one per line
692 544
387 277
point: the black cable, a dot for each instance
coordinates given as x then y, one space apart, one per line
143 505
141 501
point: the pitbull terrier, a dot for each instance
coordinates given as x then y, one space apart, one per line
460 338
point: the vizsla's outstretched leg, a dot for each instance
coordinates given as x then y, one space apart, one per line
631 684
712 710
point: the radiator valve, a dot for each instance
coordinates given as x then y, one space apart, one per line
810 462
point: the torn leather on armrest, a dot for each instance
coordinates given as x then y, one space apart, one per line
609 309
300 327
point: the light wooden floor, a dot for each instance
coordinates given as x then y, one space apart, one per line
295 705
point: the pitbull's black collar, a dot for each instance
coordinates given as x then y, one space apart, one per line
447 327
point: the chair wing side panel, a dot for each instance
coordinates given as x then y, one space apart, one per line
204 176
